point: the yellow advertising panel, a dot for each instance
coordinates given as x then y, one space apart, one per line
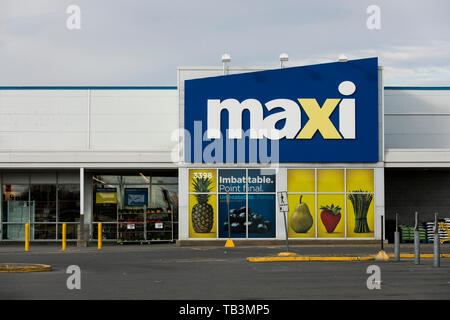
330 180
360 179
360 215
202 204
106 197
330 216
301 180
206 174
202 216
301 216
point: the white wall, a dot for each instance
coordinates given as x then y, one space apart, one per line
43 119
87 126
133 119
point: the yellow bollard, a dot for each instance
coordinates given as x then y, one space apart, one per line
64 229
27 237
99 235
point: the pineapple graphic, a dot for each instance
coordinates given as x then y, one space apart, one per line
202 213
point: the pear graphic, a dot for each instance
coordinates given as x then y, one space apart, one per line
301 220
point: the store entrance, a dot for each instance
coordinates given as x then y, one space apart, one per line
405 195
136 206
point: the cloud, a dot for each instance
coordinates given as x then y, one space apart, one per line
143 42
427 64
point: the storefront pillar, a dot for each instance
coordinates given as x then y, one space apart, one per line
183 187
379 201
281 185
85 209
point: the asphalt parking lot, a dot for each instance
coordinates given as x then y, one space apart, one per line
198 273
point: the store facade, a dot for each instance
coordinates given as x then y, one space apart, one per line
248 136
206 160
88 155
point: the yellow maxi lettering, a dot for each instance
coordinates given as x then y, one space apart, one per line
319 119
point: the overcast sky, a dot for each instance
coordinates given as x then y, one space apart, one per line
133 42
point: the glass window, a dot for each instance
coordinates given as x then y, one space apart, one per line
43 202
261 215
331 211
13 232
261 180
165 180
360 180
107 179
71 231
105 204
16 177
301 180
301 215
330 180
137 179
237 215
43 178
109 231
42 231
135 195
15 203
69 177
69 203
341 206
164 196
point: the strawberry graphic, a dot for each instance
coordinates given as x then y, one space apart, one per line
330 216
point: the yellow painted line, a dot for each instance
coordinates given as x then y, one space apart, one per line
278 259
14 267
366 258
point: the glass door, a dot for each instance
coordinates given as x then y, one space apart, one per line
43 211
16 211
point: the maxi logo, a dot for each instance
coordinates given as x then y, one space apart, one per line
260 127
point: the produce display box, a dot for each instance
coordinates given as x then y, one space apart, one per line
407 234
144 225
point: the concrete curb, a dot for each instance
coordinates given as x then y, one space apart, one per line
24 267
293 242
423 255
275 259
343 258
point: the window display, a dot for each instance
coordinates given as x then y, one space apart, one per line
141 209
331 203
238 216
250 212
69 203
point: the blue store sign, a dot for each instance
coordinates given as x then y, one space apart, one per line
136 197
318 113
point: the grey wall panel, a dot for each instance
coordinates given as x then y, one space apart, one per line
417 119
408 101
417 131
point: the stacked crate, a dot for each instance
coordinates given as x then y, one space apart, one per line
442 233
407 234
